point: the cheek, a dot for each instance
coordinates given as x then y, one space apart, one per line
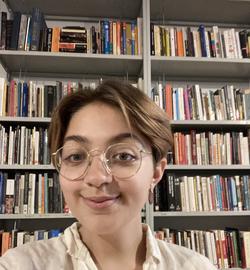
69 189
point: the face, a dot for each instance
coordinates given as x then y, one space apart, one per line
100 201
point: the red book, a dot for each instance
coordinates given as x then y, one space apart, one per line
168 101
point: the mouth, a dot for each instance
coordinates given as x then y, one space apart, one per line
101 202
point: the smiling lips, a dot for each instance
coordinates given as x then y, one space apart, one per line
97 202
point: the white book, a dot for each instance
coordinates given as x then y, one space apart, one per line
204 193
10 146
195 42
20 238
36 152
183 196
139 35
22 144
186 189
199 193
209 195
199 102
218 50
232 35
207 44
26 47
114 39
231 93
188 148
172 41
198 148
208 246
181 103
213 247
160 89
191 194
31 193
237 40
2 86
228 149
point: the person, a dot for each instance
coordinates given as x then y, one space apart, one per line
109 146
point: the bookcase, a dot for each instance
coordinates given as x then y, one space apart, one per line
208 72
64 66
176 70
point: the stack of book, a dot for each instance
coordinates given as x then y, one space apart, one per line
73 39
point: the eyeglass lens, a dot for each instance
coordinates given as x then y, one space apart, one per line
122 160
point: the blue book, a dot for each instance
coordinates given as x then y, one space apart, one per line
234 194
36 26
54 233
124 39
25 99
203 40
1 191
106 37
19 98
218 192
133 24
246 192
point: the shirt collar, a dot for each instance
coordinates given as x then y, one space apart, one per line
74 244
76 248
153 253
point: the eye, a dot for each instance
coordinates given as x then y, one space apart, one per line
74 157
123 156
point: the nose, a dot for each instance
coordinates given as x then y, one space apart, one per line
97 173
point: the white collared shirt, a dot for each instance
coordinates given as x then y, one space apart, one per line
68 252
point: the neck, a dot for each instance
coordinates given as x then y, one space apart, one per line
127 246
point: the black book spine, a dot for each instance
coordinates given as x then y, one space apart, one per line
15 31
3 30
152 39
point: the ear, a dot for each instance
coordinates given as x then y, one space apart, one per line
159 170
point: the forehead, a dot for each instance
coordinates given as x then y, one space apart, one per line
98 123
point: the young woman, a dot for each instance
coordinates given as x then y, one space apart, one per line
109 147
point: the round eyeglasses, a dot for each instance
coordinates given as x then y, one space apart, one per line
122 160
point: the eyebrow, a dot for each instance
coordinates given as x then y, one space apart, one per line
115 139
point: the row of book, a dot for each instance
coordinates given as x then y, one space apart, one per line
199 41
32 98
31 193
39 98
24 146
16 237
197 103
229 248
212 148
202 193
30 32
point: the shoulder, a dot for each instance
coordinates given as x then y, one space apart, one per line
183 258
35 255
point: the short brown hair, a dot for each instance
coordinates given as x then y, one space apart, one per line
139 111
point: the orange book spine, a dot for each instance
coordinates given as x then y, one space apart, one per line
180 47
55 39
168 101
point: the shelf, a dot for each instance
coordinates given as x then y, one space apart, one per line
76 8
8 119
70 63
26 167
215 168
209 123
223 11
194 67
35 216
202 214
